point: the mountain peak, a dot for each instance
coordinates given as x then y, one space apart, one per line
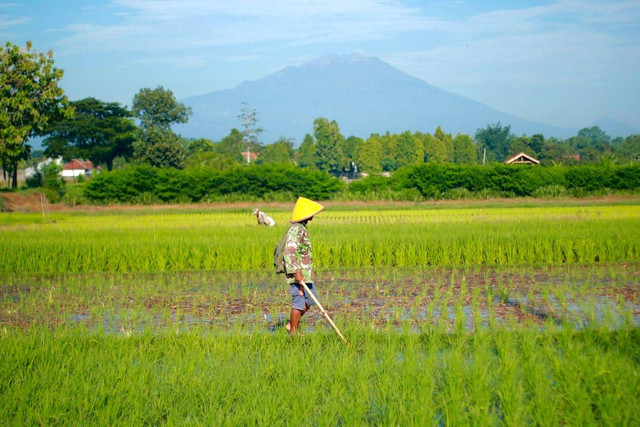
333 58
362 93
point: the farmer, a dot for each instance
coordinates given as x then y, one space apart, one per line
263 218
298 260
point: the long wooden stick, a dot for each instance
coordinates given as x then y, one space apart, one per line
313 297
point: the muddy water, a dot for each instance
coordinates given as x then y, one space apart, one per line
404 300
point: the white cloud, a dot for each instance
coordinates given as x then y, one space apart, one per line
582 56
558 41
7 21
147 26
582 44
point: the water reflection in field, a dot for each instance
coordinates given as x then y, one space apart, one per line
400 299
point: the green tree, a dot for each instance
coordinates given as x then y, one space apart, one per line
160 147
328 143
536 143
202 153
447 143
464 152
435 150
409 150
30 99
159 108
590 144
232 146
280 151
520 144
306 154
629 150
369 153
388 159
595 135
97 131
555 152
201 145
496 139
349 148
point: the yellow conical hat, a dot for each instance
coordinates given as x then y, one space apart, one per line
305 209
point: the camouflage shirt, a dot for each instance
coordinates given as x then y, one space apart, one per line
297 253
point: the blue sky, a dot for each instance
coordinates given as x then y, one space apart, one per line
566 62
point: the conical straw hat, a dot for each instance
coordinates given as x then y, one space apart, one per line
305 209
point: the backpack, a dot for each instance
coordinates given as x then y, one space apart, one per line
278 254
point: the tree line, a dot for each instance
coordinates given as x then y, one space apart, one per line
143 184
111 135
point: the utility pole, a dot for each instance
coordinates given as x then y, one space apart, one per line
249 117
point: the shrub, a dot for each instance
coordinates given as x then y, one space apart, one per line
435 181
74 195
145 184
53 186
552 191
457 194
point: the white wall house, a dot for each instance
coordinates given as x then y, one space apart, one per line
30 171
76 168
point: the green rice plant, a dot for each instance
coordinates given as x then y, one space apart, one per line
220 240
229 379
511 399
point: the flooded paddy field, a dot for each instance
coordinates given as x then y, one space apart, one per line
408 300
519 315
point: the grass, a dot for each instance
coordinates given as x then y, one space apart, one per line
489 378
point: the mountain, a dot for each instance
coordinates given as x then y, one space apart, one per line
362 94
614 128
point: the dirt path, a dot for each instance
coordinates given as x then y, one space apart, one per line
31 202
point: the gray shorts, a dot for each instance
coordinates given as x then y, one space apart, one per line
298 301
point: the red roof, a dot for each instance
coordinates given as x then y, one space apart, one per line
76 164
252 155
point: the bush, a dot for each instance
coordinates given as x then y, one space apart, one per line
35 181
146 184
457 194
434 181
53 185
74 195
552 191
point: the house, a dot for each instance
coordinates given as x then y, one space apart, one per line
249 156
76 168
31 170
521 158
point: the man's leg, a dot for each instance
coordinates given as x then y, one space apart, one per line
296 315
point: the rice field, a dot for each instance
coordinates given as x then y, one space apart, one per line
458 315
229 240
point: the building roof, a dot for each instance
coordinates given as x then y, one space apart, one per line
522 158
252 155
76 164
